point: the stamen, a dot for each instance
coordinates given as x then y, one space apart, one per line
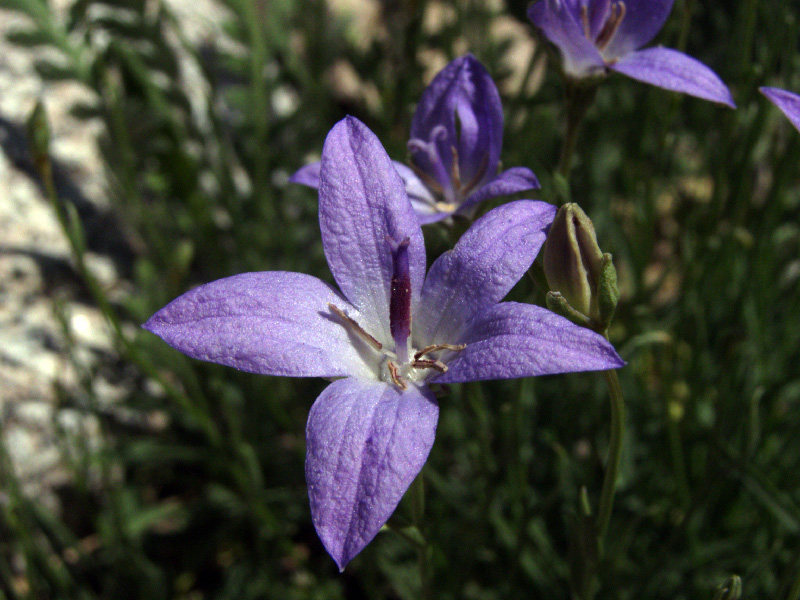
350 322
424 363
611 26
585 22
396 379
427 179
478 177
437 347
455 171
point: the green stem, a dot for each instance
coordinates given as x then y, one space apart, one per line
578 97
614 454
417 491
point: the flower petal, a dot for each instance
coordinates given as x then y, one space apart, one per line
643 20
522 340
464 100
365 444
273 323
516 179
482 267
421 198
557 22
308 175
788 102
673 70
362 201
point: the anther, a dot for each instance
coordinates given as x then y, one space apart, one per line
585 22
437 347
396 379
478 177
611 26
350 322
455 171
424 363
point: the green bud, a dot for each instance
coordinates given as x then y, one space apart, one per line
39 134
730 590
573 260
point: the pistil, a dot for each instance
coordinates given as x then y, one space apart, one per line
400 299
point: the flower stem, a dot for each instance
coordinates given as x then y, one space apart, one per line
578 97
417 492
614 454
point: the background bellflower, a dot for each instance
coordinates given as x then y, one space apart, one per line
594 36
385 335
788 102
456 138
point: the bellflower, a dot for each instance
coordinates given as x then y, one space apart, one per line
595 36
788 102
456 138
387 332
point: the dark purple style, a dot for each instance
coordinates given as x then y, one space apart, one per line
595 36
387 332
456 138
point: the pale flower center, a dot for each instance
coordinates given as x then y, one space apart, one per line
388 366
400 365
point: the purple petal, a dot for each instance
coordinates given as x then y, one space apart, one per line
366 441
516 179
673 70
482 267
643 20
463 89
308 175
557 20
362 201
421 198
272 323
788 102
522 340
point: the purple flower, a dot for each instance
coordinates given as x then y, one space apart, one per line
788 102
597 35
456 137
388 333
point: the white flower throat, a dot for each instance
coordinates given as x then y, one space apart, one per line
401 365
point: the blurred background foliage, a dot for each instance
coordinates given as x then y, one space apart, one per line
196 488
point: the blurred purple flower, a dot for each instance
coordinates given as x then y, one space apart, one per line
389 332
597 35
788 102
456 137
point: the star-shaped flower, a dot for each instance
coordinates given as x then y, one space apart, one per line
788 102
456 138
594 36
388 333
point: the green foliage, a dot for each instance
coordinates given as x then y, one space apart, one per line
196 489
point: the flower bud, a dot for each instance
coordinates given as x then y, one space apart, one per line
577 268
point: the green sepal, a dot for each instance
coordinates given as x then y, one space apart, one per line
559 305
607 290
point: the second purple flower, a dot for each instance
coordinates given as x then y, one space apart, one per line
456 138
